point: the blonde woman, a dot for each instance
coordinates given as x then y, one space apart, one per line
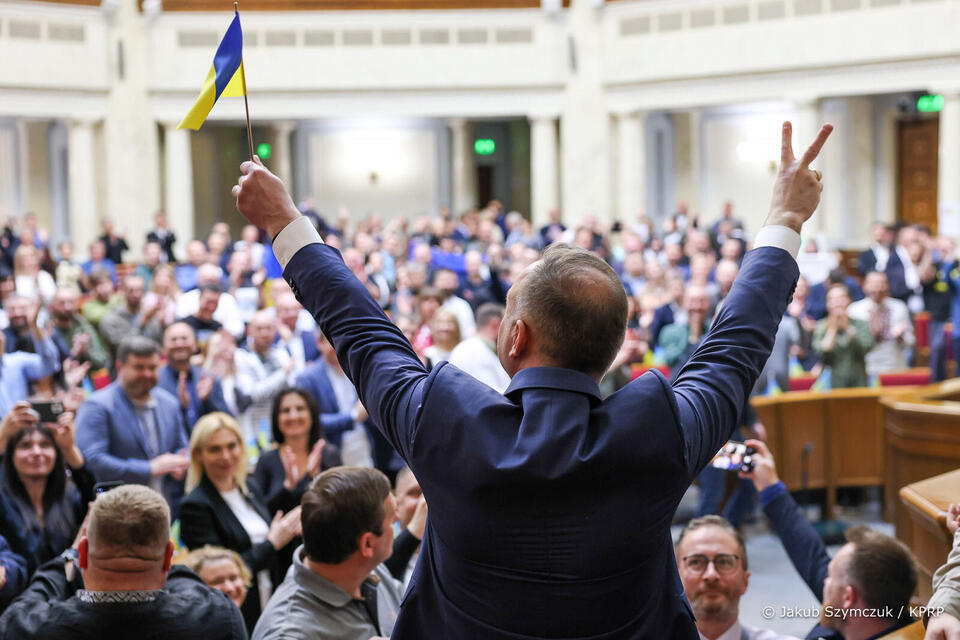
225 509
223 570
446 335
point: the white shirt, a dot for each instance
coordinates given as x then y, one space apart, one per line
739 632
476 357
355 450
227 313
257 528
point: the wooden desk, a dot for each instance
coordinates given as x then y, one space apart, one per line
845 429
925 505
922 439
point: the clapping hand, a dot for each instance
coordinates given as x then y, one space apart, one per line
204 387
291 472
796 193
284 528
953 518
315 459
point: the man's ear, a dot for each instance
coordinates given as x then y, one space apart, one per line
849 597
519 337
366 545
167 556
83 550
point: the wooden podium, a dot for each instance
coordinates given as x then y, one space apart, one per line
922 439
841 431
925 510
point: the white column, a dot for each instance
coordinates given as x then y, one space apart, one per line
948 178
631 166
544 182
464 169
281 163
81 185
806 123
178 190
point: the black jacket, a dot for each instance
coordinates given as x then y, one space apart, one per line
185 609
205 518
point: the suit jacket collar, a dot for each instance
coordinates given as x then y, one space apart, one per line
222 509
136 427
553 378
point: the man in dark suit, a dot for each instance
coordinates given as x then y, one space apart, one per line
550 508
132 430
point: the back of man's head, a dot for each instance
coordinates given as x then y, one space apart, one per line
882 569
130 518
577 306
340 506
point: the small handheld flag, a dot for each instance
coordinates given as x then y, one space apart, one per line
226 77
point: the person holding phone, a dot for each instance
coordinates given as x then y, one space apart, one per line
42 508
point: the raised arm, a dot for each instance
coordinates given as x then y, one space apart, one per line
713 385
373 352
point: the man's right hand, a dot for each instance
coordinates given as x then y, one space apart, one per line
262 199
169 463
764 472
796 193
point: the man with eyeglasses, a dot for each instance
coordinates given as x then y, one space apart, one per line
712 560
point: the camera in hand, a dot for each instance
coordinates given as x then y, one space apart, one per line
734 456
49 410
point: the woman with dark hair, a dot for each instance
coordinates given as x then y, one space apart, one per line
43 506
300 454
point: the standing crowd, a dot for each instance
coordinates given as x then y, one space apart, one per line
207 382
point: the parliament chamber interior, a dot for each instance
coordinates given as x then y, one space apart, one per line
162 330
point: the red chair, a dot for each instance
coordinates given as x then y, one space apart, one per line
802 383
906 377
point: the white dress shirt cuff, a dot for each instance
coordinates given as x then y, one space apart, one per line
773 236
296 236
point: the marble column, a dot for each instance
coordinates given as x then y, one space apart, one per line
178 190
806 123
81 185
464 175
631 165
544 181
281 163
948 177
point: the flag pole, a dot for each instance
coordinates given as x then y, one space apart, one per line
246 105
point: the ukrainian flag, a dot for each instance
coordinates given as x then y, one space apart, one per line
225 77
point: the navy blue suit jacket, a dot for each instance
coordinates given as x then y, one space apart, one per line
550 507
114 445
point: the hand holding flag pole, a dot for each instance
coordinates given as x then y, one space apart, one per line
226 78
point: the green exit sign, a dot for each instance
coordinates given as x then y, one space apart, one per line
484 146
929 104
264 150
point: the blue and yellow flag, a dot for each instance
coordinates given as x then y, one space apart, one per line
225 77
